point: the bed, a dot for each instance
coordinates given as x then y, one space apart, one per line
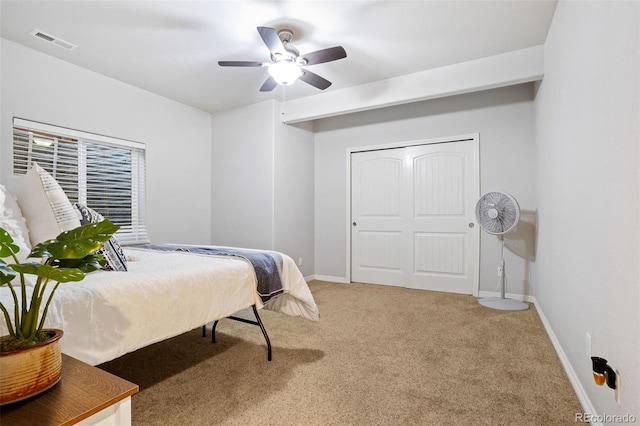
161 294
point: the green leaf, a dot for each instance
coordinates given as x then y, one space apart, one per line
87 264
7 248
77 243
6 273
46 271
5 237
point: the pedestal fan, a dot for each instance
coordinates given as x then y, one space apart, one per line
498 213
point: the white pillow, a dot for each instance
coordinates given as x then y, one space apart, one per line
12 221
45 206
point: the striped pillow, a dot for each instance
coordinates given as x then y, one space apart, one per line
45 206
112 251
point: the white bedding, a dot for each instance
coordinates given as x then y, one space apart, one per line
163 294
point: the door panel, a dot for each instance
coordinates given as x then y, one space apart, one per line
439 253
378 209
412 208
380 250
380 187
439 184
443 200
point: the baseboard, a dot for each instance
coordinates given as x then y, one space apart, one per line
328 278
568 368
520 297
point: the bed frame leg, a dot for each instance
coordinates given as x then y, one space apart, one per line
213 331
264 332
257 322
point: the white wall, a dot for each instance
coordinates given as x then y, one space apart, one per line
294 197
39 87
262 182
502 117
588 192
242 177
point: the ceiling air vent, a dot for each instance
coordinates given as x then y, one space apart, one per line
53 40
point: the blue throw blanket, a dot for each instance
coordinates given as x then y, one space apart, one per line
266 265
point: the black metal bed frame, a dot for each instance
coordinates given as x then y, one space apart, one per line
257 322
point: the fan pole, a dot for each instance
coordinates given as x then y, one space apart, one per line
502 303
502 282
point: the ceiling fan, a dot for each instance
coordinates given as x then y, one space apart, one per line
287 64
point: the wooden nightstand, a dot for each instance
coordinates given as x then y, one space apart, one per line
85 395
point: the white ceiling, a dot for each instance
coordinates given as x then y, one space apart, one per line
171 48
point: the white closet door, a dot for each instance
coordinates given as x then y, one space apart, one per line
413 219
444 239
379 209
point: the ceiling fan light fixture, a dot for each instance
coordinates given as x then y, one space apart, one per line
285 72
287 65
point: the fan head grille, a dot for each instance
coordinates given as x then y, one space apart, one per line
497 212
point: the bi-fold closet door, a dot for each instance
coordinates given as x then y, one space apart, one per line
412 214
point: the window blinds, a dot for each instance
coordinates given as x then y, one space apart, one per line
103 173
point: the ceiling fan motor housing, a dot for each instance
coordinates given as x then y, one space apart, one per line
285 35
292 54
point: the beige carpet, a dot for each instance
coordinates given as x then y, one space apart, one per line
378 356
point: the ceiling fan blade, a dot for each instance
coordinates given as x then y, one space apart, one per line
325 55
315 80
268 85
239 64
272 40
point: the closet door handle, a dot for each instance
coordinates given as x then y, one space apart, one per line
355 224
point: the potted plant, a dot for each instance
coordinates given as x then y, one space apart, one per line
30 356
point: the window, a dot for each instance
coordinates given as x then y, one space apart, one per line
104 173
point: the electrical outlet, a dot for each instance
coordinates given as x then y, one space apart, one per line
588 344
300 261
499 271
617 389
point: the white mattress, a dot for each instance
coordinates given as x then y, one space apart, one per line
163 294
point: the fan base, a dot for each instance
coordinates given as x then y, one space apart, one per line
503 304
